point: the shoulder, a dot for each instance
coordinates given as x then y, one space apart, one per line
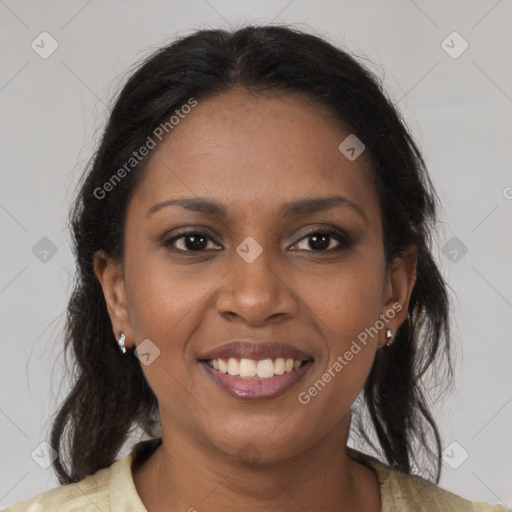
419 494
401 491
108 490
88 495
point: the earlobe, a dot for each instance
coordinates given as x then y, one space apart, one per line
109 273
401 279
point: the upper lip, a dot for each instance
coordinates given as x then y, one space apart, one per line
251 349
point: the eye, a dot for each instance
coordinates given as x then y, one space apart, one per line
190 241
320 240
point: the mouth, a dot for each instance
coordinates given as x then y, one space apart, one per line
255 369
252 369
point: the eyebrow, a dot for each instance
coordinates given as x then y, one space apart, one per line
290 209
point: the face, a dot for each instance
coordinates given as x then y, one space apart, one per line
313 277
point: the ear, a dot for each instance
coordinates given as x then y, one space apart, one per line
400 281
110 275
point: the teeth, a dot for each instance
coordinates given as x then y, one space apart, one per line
279 366
265 368
252 369
233 366
248 368
223 366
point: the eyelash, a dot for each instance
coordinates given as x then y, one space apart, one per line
338 235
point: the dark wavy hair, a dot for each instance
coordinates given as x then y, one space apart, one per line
110 396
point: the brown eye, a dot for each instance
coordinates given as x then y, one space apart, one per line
193 241
320 240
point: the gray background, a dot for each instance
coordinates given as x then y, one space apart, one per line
459 109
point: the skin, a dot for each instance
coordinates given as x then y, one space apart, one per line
246 151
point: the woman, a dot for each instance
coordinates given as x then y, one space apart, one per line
253 243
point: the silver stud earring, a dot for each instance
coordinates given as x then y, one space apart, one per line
120 342
389 337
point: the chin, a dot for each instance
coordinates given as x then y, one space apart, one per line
257 447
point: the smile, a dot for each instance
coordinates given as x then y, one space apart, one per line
250 379
255 369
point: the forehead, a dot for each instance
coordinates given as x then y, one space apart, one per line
246 150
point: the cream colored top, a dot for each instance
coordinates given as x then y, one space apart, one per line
112 490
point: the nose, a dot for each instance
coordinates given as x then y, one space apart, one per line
257 292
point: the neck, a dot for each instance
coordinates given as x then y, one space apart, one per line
183 474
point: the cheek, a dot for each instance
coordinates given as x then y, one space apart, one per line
166 303
164 299
351 300
347 311
340 377
162 305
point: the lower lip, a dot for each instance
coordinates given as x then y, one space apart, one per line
254 389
